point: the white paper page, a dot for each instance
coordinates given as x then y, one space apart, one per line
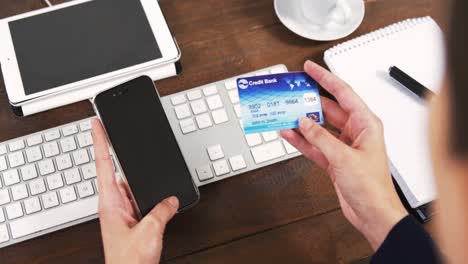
419 52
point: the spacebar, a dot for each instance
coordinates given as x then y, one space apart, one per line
54 217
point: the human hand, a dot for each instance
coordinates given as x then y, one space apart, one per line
125 239
355 159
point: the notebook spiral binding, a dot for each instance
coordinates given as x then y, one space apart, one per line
376 35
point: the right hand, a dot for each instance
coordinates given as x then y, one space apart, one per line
356 159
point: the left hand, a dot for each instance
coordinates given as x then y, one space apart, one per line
125 239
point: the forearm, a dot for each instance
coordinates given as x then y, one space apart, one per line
407 242
382 220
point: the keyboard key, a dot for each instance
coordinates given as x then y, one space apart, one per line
214 102
182 111
3 164
68 144
237 109
96 185
178 99
89 171
4 236
67 194
3 149
63 162
85 189
46 167
267 152
32 205
91 151
85 139
49 200
37 186
28 172
16 159
203 121
72 176
277 70
4 197
204 173
231 84
215 152
2 216
187 126
263 72
85 125
220 116
237 163
54 181
14 210
53 217
253 139
51 149
69 130
289 148
34 154
198 106
234 96
19 192
269 136
34 140
16 145
80 157
221 167
210 90
193 95
51 135
11 177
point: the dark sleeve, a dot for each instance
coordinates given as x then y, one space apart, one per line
407 242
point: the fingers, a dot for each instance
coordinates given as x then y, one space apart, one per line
334 114
126 197
161 214
346 97
331 147
308 150
104 167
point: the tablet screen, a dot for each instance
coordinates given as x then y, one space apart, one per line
80 42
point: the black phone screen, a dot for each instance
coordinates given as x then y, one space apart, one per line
145 145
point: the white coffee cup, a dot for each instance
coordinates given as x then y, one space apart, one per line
321 12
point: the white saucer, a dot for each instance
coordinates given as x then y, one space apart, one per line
292 17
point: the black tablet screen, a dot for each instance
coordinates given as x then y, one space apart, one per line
81 41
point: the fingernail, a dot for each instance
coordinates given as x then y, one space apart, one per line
308 62
173 201
306 123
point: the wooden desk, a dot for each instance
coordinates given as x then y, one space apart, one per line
287 212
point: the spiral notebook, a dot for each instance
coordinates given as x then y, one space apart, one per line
415 46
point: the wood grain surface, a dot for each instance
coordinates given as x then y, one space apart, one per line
287 212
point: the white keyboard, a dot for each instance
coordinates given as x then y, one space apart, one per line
206 122
48 179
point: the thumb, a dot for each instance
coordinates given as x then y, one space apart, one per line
157 218
331 147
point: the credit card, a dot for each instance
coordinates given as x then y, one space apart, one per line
277 101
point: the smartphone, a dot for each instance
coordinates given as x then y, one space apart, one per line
148 154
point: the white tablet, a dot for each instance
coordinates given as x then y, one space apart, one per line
80 43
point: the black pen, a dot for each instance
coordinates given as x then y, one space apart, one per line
410 83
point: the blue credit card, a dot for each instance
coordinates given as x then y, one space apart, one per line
278 101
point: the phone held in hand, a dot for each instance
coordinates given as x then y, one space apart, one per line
148 154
